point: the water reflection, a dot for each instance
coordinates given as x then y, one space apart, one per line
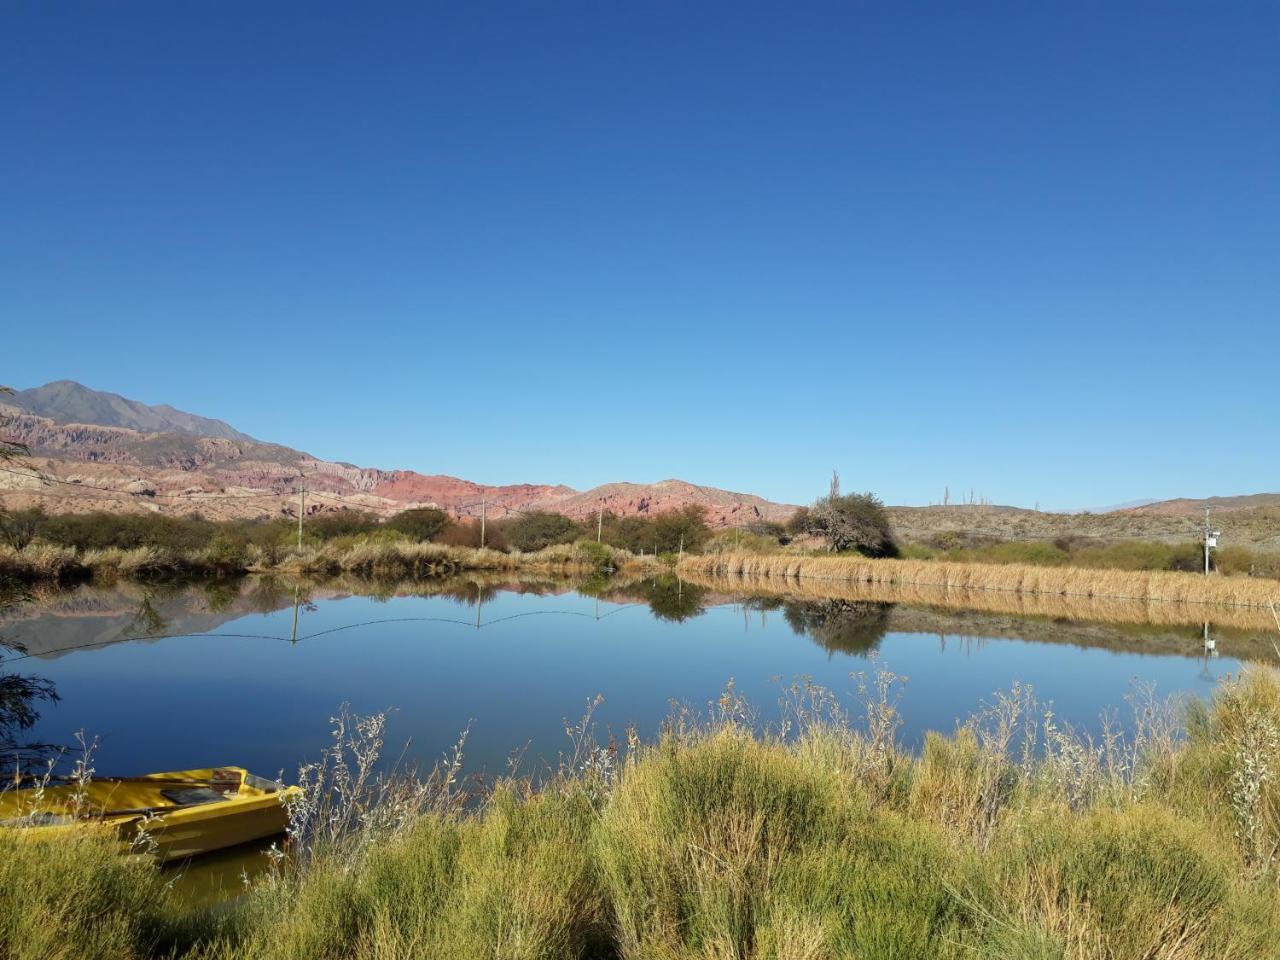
19 696
672 599
840 626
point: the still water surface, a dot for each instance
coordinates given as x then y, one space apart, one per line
216 680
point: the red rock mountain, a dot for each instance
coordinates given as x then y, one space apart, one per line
99 451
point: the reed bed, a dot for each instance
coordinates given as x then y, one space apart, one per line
1092 584
409 560
1095 609
39 562
373 558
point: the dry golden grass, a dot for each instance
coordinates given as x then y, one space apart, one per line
38 562
1027 581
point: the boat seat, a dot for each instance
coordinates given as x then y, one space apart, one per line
192 796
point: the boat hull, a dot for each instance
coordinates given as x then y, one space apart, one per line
176 815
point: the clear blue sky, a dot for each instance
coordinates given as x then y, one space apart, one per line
1031 252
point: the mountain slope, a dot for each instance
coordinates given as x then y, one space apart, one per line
1185 507
65 401
100 464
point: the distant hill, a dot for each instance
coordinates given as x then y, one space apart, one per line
65 401
1184 507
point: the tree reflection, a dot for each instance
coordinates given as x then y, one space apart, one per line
840 626
670 598
18 698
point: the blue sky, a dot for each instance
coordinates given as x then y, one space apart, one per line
1030 252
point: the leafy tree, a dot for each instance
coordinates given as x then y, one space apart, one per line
423 523
855 521
681 529
799 522
538 529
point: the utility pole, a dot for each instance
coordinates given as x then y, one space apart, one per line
1210 540
482 524
599 523
302 509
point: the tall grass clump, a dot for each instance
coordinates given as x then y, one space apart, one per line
40 561
729 846
74 895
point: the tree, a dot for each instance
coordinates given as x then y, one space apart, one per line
423 523
800 523
538 529
681 529
855 521
19 527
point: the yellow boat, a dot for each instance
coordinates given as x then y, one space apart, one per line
183 813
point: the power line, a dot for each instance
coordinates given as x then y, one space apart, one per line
323 633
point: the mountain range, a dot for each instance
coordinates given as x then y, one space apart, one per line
104 451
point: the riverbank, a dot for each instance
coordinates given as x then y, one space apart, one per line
1184 597
828 841
1084 583
395 559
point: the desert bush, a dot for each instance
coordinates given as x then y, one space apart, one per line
466 533
730 541
342 522
539 529
662 533
421 524
19 527
1039 554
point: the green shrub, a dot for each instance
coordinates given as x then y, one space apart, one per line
661 533
421 524
1038 554
598 556
538 530
342 522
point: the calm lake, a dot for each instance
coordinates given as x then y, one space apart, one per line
172 678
